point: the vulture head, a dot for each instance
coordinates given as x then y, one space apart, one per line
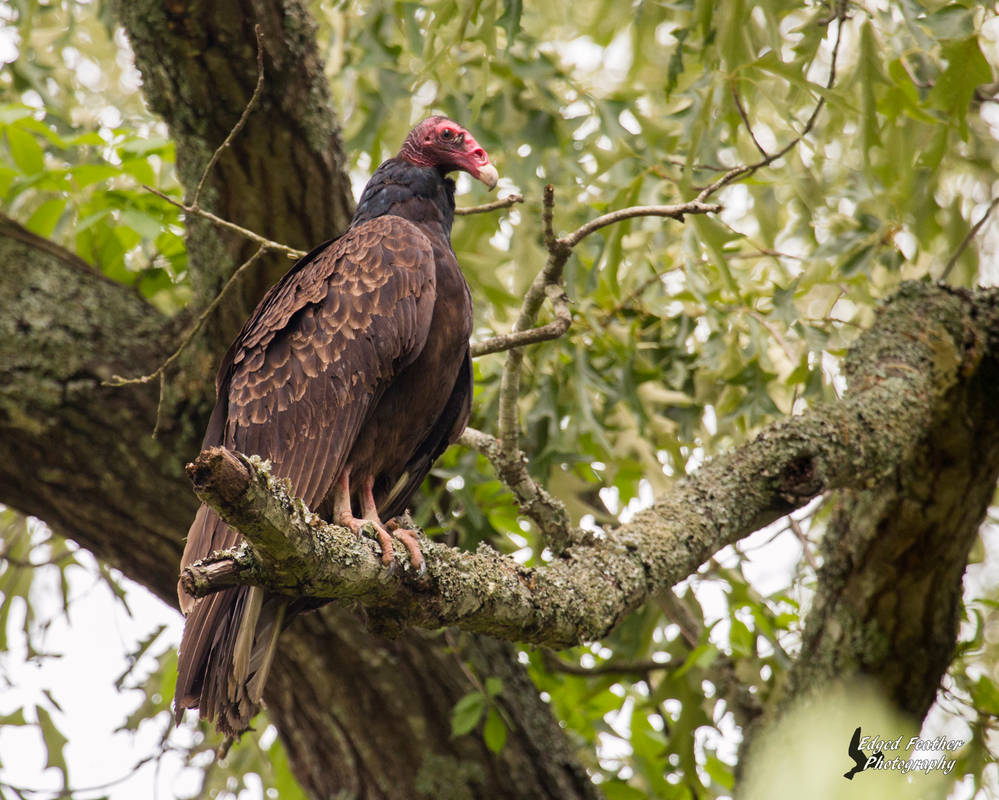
442 143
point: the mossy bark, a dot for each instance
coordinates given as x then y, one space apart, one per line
887 604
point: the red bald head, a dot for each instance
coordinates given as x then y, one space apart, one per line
442 143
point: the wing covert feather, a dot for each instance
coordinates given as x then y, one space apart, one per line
319 351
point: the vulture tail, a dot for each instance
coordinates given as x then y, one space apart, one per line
227 649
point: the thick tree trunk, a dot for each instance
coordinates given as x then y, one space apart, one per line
284 175
383 716
889 595
887 604
76 453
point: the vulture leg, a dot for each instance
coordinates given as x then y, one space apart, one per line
404 535
343 514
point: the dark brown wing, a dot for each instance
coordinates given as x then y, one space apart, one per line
319 351
295 388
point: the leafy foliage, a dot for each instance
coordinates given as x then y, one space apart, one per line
685 338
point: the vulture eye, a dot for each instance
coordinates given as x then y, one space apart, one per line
447 134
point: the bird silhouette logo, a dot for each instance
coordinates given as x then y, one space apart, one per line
862 761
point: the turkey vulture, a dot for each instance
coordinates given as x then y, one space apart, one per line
352 376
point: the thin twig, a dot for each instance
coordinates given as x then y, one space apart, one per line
548 512
748 169
679 162
160 371
194 207
503 202
268 244
952 261
548 216
24 563
553 330
752 312
118 380
75 790
242 119
605 320
676 212
551 273
745 120
806 549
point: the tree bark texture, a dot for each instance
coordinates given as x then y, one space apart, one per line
889 592
284 175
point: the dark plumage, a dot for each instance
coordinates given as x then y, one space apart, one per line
352 376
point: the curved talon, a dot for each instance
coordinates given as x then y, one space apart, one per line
385 540
408 538
393 529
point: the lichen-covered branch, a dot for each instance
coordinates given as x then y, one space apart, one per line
897 382
884 621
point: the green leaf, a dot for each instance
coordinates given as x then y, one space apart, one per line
719 772
509 20
54 743
15 717
13 113
951 22
966 70
985 696
734 39
494 686
494 731
869 75
466 713
25 150
140 169
147 226
619 790
7 178
87 174
43 221
742 639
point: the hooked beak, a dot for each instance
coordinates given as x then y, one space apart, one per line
489 176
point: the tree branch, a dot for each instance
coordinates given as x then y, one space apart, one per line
508 458
677 212
259 33
262 241
972 231
503 202
553 330
743 170
896 383
548 512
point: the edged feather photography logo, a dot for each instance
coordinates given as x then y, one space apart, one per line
875 752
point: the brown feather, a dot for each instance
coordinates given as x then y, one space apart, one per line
297 386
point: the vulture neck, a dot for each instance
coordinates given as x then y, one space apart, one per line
420 194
